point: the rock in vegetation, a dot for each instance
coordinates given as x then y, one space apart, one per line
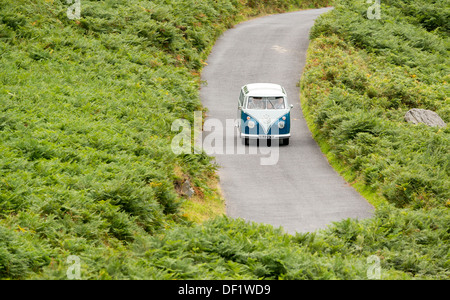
430 118
187 189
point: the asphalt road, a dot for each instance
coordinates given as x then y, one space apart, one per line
290 186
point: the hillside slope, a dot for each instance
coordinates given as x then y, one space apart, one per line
362 75
86 107
86 167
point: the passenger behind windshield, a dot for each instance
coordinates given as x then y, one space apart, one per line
256 103
265 103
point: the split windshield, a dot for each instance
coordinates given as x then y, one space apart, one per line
266 103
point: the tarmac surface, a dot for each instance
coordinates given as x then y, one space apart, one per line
290 186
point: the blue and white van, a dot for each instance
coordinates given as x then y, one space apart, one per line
264 113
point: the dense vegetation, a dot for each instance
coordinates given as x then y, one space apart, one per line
362 76
86 167
86 106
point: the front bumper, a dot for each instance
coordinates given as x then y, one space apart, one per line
266 137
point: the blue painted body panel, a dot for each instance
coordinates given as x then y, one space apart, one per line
258 129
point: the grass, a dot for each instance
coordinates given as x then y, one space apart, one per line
358 109
205 204
373 197
86 107
86 167
360 78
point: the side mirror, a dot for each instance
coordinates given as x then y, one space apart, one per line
292 106
240 107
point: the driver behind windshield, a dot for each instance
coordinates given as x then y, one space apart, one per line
280 103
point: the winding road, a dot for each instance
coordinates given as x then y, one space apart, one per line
298 189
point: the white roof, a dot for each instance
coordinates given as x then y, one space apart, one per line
264 90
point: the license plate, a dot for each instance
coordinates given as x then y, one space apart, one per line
265 137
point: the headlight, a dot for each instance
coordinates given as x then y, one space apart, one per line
281 124
251 124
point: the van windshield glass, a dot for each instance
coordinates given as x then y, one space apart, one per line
266 103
